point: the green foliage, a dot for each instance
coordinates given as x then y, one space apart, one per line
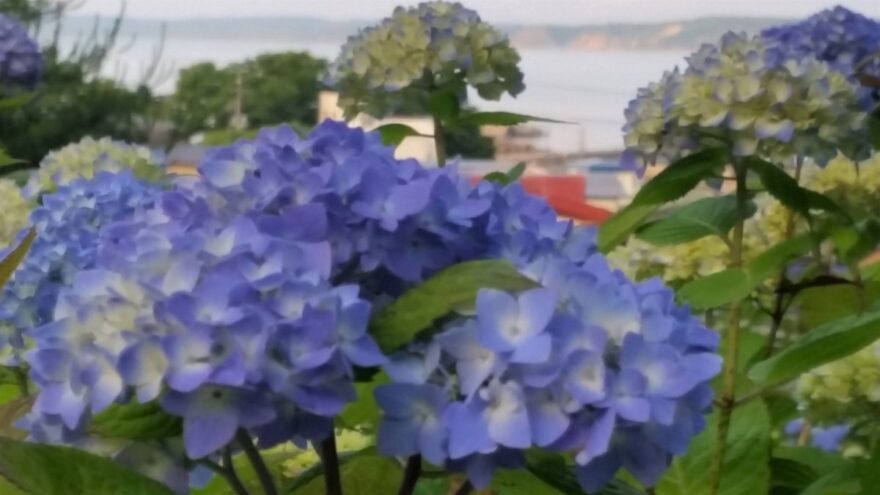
15 257
367 474
50 470
363 413
509 177
454 288
394 134
704 217
136 421
202 99
502 118
829 342
11 411
786 189
746 466
523 482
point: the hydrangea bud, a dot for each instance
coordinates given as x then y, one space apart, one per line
434 44
21 63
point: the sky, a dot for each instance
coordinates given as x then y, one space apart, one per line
496 11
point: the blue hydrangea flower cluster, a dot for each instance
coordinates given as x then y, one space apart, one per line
240 300
21 63
66 226
848 41
740 93
434 44
590 363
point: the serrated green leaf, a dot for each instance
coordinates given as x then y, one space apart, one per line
732 284
681 176
503 119
52 470
717 289
746 465
394 134
834 340
368 474
785 188
451 289
14 258
701 218
135 421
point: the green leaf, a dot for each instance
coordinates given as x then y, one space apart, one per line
701 218
394 134
6 160
444 105
789 473
717 289
616 229
10 413
454 288
14 258
843 481
273 458
746 465
503 119
735 284
820 305
52 470
136 421
786 189
522 482
361 475
553 469
829 342
681 176
509 177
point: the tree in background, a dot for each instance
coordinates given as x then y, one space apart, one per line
202 99
73 101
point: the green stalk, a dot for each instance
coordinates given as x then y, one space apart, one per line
256 460
330 459
440 141
411 475
731 337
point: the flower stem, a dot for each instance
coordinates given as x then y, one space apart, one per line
440 141
330 459
256 460
731 337
226 472
779 306
411 475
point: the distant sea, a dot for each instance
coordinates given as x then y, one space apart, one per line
588 88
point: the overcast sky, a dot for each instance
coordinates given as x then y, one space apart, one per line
498 11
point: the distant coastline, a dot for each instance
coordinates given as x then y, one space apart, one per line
664 36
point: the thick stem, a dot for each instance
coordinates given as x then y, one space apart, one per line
256 460
465 488
779 306
411 475
440 142
731 337
330 459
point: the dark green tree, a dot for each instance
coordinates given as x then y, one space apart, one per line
202 99
282 87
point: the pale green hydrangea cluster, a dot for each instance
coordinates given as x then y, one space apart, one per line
432 45
738 93
14 211
89 156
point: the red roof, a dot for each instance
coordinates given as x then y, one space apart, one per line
565 193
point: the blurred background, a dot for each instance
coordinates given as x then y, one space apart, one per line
179 75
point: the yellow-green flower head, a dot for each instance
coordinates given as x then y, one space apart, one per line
736 92
14 211
89 156
435 44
